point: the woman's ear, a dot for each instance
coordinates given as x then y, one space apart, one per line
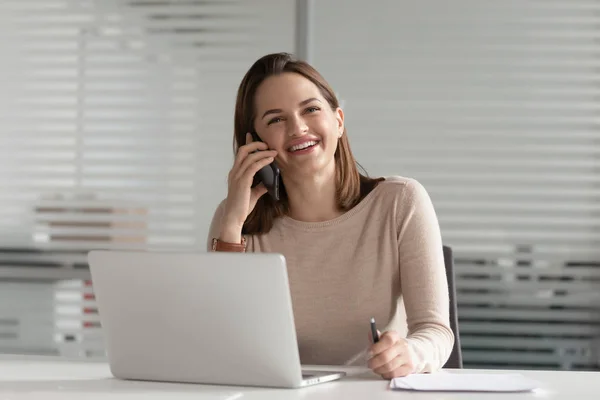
339 115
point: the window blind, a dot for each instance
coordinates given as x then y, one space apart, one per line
116 125
116 116
494 107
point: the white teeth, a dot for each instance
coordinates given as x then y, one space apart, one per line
302 146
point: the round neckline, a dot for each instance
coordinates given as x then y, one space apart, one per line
294 223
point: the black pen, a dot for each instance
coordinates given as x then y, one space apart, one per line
374 331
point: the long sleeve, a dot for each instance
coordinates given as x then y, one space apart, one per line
423 280
380 259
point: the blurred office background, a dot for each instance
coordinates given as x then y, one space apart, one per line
116 132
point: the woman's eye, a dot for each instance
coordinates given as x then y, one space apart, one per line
274 120
312 109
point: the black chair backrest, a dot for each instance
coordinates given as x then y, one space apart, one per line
455 360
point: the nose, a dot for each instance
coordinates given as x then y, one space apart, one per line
297 126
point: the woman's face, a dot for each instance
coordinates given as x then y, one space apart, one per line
293 118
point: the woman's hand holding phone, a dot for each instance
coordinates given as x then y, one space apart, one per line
241 197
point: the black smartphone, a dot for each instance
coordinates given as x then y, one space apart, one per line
269 175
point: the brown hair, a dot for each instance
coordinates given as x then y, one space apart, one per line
351 186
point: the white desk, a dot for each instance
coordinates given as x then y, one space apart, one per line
51 378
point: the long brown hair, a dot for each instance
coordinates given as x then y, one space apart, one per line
351 185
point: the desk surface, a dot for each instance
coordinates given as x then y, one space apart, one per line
54 378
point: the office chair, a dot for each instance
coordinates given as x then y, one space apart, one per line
455 360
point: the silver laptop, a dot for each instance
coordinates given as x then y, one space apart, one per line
212 318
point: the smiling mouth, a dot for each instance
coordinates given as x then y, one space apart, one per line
303 146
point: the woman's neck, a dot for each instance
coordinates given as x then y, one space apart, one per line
313 199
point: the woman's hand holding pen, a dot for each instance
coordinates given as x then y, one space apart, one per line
390 356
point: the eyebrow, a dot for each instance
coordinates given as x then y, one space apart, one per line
278 110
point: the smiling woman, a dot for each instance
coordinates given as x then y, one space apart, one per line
289 104
355 247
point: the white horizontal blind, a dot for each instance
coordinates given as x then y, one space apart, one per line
116 125
116 116
495 107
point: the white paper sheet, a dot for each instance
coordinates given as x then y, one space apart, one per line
481 382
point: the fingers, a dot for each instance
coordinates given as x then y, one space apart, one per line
255 162
390 366
387 340
403 370
247 155
390 357
258 191
249 148
385 357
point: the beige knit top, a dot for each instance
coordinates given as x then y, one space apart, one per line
382 259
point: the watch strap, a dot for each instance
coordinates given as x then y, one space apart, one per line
219 245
